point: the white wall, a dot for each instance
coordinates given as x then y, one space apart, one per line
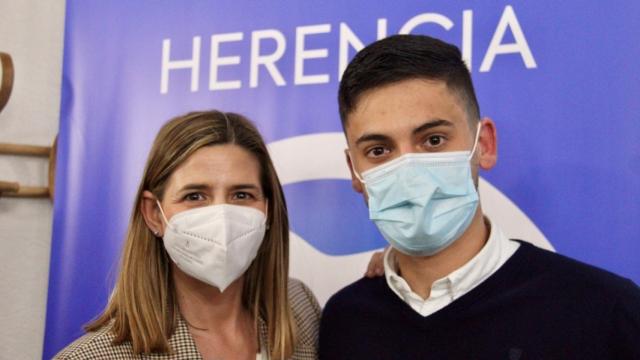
31 31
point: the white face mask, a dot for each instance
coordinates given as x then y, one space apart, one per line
214 244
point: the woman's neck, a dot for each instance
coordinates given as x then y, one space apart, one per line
205 308
220 326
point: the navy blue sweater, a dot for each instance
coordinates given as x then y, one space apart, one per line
538 305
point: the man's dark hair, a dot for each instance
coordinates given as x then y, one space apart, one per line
404 57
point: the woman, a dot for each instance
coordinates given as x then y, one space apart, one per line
204 270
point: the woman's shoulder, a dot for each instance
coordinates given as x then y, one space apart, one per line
306 311
302 300
96 345
300 294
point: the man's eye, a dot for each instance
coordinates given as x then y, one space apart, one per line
435 141
194 197
377 151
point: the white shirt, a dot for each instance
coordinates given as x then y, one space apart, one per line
444 291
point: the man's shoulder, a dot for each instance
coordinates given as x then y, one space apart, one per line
601 306
569 273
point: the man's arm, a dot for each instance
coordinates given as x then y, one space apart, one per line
625 324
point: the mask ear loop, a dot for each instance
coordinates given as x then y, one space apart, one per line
475 142
266 214
162 213
353 169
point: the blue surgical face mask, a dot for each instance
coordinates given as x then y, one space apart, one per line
422 202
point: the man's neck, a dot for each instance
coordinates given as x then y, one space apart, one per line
421 272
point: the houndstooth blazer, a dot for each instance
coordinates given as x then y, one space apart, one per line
306 311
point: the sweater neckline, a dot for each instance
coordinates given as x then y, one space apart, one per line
505 274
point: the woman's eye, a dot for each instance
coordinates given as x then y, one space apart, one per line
435 141
194 197
377 151
243 196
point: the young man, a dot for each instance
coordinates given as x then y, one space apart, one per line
454 287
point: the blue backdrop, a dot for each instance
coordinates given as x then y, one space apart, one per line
561 81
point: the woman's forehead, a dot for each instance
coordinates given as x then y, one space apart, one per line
218 165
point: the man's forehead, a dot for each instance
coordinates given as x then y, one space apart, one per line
403 110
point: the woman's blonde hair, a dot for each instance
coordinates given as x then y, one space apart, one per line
143 303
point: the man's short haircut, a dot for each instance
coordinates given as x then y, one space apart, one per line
404 57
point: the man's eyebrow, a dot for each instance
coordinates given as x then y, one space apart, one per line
384 138
431 124
372 137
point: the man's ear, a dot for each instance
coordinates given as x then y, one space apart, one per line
151 213
355 183
487 145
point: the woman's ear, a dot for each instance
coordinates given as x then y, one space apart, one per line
487 144
151 213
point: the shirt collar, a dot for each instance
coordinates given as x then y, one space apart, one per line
463 279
